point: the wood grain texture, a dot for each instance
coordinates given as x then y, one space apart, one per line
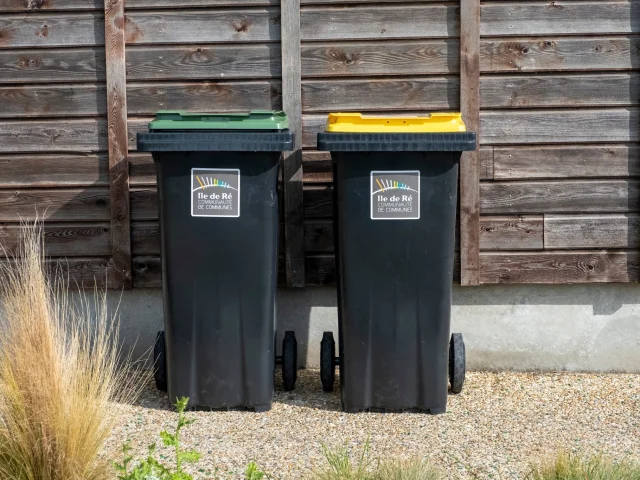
142 170
54 204
198 26
318 201
85 272
512 233
568 90
52 30
560 126
62 239
566 161
52 101
574 196
292 169
148 98
118 143
85 135
147 272
559 17
356 22
52 65
31 6
442 56
144 203
470 162
560 267
393 57
145 238
559 54
203 61
60 170
592 231
428 93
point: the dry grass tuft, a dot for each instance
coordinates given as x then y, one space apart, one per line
342 466
567 466
61 373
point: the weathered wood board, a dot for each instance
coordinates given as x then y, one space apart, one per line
62 170
574 196
62 239
592 231
560 267
566 161
55 204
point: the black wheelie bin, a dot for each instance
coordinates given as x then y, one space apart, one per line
218 207
395 199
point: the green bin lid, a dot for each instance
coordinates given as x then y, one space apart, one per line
254 120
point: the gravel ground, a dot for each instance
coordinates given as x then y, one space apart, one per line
500 423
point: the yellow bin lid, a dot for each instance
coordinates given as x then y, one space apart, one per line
429 123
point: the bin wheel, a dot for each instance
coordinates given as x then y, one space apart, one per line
327 361
160 362
457 362
289 360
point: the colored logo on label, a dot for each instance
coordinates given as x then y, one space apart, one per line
395 195
215 192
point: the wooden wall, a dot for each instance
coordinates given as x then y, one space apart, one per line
559 156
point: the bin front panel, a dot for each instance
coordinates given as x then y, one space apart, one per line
395 278
219 277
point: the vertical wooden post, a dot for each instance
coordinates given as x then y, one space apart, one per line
292 167
469 166
118 144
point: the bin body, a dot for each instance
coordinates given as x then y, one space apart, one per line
219 267
395 261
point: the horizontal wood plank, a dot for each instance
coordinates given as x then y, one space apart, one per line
142 170
512 233
145 238
566 161
356 22
144 204
574 196
147 272
54 205
52 101
393 57
431 93
568 90
202 61
62 239
559 54
52 65
318 201
207 25
592 231
560 267
29 6
62 170
85 135
409 93
52 30
146 99
559 18
560 126
442 56
84 272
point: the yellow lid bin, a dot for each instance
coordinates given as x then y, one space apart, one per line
429 123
